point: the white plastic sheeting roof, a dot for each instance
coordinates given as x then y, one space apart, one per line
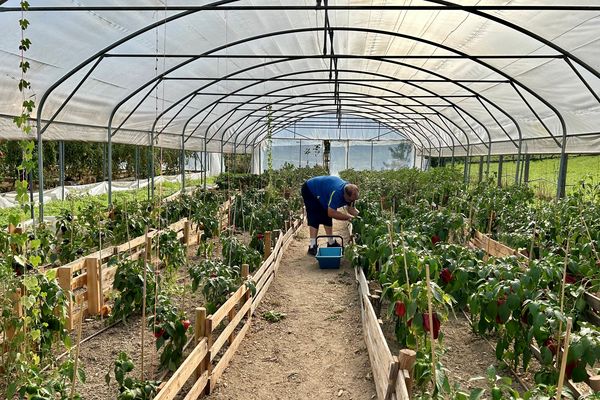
483 76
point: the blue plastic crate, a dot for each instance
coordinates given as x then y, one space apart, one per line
329 257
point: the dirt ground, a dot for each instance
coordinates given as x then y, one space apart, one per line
317 351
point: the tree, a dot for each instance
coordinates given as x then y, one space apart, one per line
399 154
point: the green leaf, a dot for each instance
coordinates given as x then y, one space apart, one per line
476 394
513 301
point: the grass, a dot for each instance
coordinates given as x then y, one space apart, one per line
543 174
76 202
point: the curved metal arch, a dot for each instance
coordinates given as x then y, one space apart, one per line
373 115
433 133
345 83
355 84
238 131
394 62
355 29
308 114
101 53
284 118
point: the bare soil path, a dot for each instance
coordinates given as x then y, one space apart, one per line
317 351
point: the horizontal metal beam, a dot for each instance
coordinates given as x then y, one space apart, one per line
341 97
327 80
432 7
327 56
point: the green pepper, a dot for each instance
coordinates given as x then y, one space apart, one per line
496 393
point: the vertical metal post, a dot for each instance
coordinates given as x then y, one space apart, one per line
414 156
222 158
148 157
204 163
40 169
182 163
260 168
61 166
452 162
489 159
371 155
137 165
526 173
234 156
518 163
562 174
480 178
31 208
500 160
109 166
152 165
299 153
466 169
347 152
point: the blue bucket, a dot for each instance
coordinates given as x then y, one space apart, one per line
329 257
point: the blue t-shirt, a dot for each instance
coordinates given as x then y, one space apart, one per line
329 190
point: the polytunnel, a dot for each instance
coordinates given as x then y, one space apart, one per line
453 78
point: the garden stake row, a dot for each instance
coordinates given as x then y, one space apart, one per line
430 309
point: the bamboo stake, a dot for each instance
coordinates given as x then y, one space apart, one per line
430 309
591 240
563 364
144 313
74 380
562 290
406 266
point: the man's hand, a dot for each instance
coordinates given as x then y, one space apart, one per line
335 214
352 211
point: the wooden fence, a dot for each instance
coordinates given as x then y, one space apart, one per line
497 249
210 357
391 374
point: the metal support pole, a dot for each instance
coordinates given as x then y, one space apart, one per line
518 163
40 171
61 166
137 165
526 173
259 160
205 156
148 157
182 163
371 156
500 160
480 177
414 156
562 175
31 208
222 158
347 152
488 161
109 166
152 165
234 157
466 170
299 154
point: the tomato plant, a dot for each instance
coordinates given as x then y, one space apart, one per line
170 330
128 288
130 388
217 280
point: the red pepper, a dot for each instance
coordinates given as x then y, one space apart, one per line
436 324
570 279
435 239
186 323
550 343
400 309
446 275
570 367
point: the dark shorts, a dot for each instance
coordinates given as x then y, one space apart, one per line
315 213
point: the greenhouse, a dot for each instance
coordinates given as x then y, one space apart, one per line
167 167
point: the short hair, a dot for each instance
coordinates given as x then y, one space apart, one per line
350 189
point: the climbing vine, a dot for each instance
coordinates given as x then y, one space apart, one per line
33 306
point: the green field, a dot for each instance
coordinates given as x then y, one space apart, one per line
76 202
543 174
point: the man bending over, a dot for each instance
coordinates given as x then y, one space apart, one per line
323 195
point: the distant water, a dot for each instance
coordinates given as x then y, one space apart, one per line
359 157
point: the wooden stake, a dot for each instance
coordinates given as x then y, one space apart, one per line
406 266
74 380
91 266
563 364
591 240
562 290
143 325
199 334
267 252
430 309
406 361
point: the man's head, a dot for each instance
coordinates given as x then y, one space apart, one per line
350 193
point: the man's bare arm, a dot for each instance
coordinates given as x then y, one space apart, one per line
335 214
